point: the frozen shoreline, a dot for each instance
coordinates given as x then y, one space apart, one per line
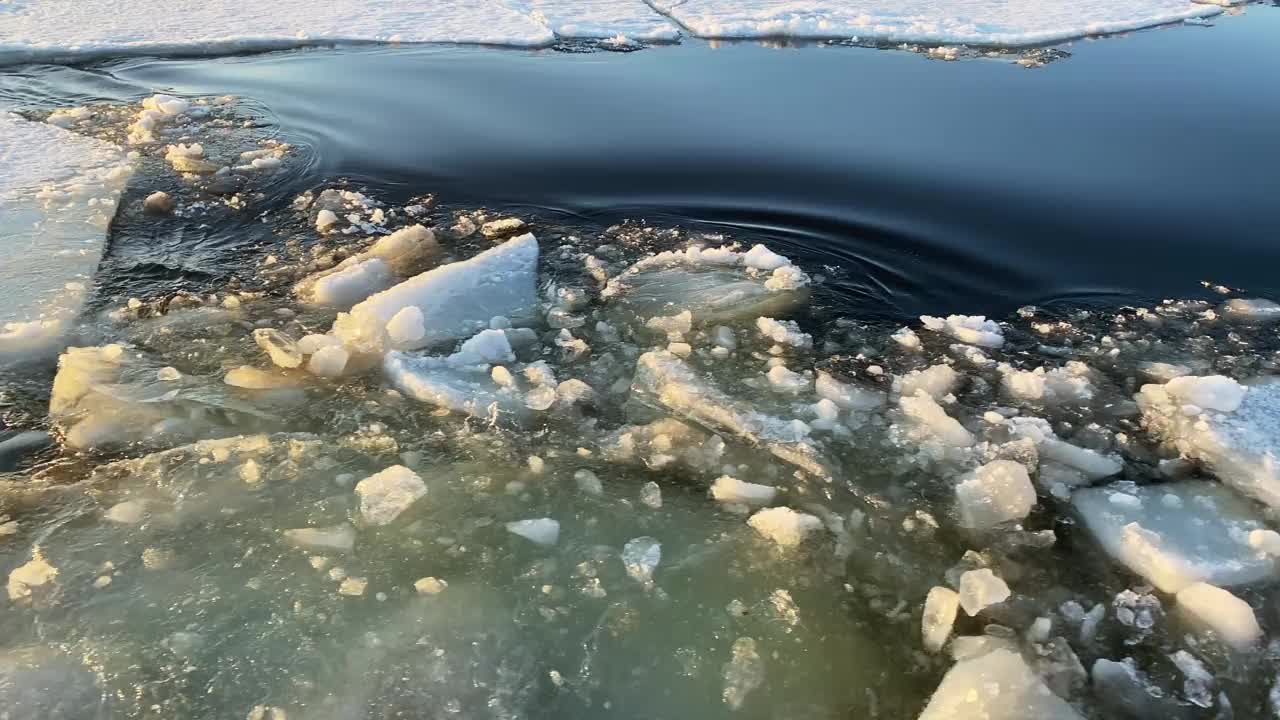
50 31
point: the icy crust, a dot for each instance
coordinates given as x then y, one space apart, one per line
622 21
1177 534
969 22
714 285
1232 429
58 191
49 29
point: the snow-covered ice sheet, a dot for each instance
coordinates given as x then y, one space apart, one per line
622 19
35 29
978 22
58 191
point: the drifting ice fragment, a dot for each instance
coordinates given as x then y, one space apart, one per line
995 493
980 589
542 531
743 673
939 616
998 685
338 538
784 526
1176 534
640 557
329 361
1217 609
971 329
456 300
469 389
385 495
281 348
716 285
27 579
731 490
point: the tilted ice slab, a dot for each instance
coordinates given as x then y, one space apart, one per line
629 19
44 29
1234 430
974 22
454 300
1177 534
58 191
999 685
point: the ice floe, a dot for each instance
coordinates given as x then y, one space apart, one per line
997 685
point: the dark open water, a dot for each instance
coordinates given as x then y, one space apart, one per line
1138 166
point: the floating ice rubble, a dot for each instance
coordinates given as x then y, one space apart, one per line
589 444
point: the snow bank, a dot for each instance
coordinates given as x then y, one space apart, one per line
972 22
1234 430
1176 534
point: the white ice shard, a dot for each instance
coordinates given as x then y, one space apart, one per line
980 589
925 422
541 531
728 489
938 617
715 285
784 526
463 388
387 494
953 22
1233 429
1067 384
1228 616
997 685
971 329
456 300
1176 534
346 286
936 381
995 493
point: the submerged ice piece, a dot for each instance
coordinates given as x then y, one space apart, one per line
715 285
665 382
111 395
463 388
998 685
1176 534
1233 429
455 300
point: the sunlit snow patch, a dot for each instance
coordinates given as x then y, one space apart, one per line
619 21
58 191
972 22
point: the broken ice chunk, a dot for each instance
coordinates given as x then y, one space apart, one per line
1176 534
715 285
407 327
489 347
995 493
727 489
651 495
339 538
927 422
329 361
385 495
784 332
1067 384
1227 615
640 556
939 616
1238 437
998 685
743 673
30 578
251 378
1251 309
469 389
937 381
971 329
541 531
129 512
281 348
847 396
784 526
980 589
456 300
347 285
